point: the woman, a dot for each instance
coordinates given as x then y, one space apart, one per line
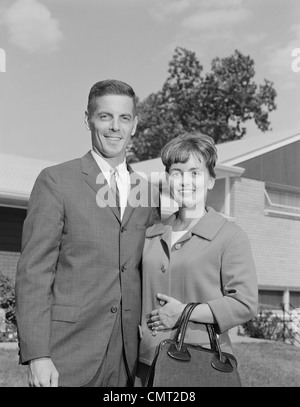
196 255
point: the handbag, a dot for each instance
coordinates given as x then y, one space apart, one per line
180 364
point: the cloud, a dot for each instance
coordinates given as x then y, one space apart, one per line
220 3
214 19
202 22
254 39
199 14
31 27
165 10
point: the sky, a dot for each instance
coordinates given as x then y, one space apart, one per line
54 51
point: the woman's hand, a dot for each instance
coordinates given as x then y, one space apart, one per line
167 316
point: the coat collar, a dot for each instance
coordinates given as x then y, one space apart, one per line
207 227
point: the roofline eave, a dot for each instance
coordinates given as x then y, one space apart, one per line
223 171
14 199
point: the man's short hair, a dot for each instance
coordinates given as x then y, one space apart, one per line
179 150
110 87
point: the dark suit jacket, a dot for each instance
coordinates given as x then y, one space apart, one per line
78 262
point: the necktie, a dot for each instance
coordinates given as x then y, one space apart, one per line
114 187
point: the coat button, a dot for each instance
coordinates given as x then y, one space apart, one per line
177 246
124 268
163 269
114 310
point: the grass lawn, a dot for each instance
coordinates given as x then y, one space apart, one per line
11 373
268 364
263 364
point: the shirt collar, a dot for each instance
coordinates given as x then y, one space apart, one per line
105 167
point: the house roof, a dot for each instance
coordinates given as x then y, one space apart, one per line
238 151
17 176
232 153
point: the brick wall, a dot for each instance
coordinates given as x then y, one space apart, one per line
275 241
8 263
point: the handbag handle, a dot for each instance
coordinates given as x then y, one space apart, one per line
220 362
182 325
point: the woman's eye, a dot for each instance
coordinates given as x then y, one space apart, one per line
175 174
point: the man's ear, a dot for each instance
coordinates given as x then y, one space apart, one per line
135 123
86 120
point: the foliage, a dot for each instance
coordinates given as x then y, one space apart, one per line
267 325
7 298
10 335
217 103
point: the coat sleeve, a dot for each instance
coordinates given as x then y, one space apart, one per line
239 285
41 238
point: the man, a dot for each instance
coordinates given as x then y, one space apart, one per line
78 288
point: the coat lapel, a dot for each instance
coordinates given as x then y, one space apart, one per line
138 188
96 180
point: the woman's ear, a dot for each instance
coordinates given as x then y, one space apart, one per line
211 183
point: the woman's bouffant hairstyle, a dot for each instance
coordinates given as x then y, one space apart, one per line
182 147
110 87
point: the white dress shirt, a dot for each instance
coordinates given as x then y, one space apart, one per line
122 179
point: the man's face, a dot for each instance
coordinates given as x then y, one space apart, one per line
112 122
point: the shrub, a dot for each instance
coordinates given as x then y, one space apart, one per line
10 335
268 325
7 298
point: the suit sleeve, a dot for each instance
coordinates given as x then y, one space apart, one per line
239 285
41 238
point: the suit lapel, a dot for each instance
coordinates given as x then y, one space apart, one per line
136 193
129 208
96 180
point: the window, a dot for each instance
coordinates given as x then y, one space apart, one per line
11 224
295 299
282 201
270 299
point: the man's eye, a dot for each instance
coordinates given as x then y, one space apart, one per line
125 118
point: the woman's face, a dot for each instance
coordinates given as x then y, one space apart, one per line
189 182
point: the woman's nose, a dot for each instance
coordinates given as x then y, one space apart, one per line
187 179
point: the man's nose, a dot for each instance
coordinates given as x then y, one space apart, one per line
114 124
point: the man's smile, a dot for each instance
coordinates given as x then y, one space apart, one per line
113 138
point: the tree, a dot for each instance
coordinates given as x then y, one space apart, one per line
218 103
